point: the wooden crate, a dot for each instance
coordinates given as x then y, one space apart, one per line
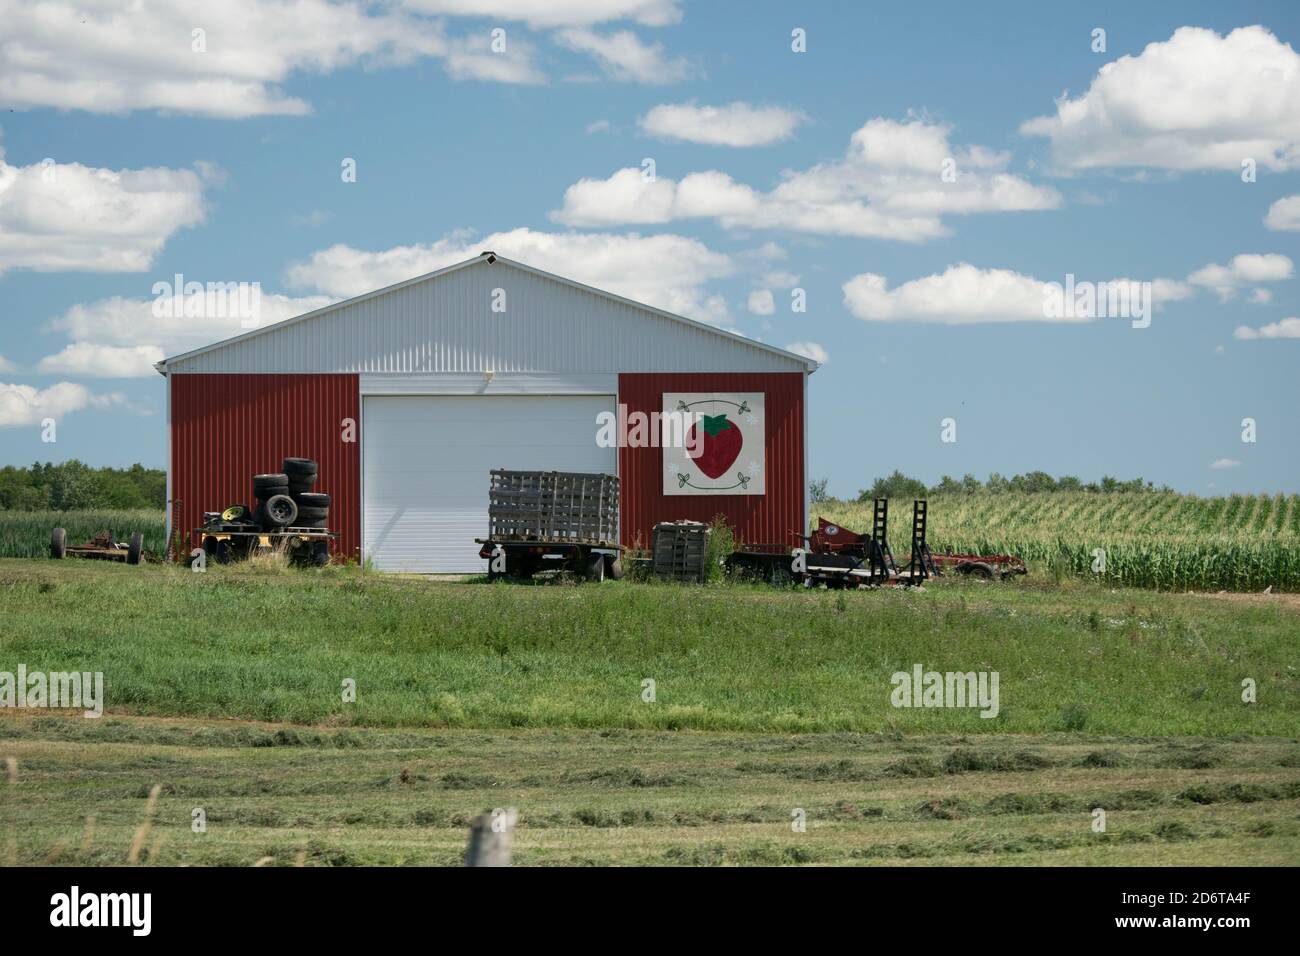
553 506
680 550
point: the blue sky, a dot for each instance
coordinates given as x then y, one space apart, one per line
224 165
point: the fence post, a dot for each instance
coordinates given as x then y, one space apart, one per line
490 838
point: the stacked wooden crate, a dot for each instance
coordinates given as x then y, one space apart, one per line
554 507
680 550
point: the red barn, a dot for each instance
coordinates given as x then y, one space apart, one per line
409 395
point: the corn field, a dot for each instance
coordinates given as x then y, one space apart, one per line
26 534
1160 540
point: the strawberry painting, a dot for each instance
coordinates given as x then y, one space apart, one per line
713 444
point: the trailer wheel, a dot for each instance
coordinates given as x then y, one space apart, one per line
320 553
224 553
135 548
595 567
58 543
976 569
615 569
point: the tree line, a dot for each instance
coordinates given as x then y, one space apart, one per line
75 486
899 485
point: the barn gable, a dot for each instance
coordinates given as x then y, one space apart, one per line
444 323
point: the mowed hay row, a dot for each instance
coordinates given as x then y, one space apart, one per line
1159 540
26 534
355 797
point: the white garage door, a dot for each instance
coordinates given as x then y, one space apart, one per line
425 463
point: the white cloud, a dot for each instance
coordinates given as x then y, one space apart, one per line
736 124
667 271
103 361
962 293
472 58
1284 215
559 13
599 126
62 217
965 294
1246 269
25 405
624 57
809 350
122 337
1285 329
761 302
1260 296
110 57
1221 463
781 280
6 365
1195 101
889 186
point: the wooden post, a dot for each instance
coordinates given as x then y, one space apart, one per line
490 838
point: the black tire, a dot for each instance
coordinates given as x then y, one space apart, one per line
299 468
595 567
306 511
976 569
297 488
225 552
320 553
270 480
615 568
280 511
311 523
135 549
311 499
58 544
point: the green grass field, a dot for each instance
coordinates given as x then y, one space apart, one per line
284 795
243 642
225 688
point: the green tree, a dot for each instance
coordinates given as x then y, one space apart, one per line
897 485
817 491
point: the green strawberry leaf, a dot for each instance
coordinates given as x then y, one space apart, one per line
716 423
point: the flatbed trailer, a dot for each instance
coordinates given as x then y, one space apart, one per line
232 542
552 520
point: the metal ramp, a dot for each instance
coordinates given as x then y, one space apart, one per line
922 562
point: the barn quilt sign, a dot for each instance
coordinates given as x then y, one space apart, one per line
722 443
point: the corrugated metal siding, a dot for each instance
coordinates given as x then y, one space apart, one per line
227 428
446 324
767 518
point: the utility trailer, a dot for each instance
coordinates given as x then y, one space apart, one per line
552 520
101 547
838 558
224 545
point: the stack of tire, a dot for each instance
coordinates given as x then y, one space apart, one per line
286 500
313 508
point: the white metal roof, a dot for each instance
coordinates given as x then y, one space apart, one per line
442 322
